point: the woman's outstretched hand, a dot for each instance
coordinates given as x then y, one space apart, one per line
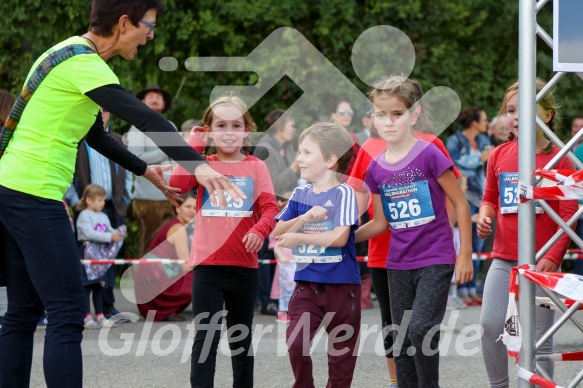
154 174
214 182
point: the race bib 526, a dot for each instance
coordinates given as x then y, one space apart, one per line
407 206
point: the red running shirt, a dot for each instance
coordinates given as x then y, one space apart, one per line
504 159
218 234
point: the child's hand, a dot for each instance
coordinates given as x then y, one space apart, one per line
317 213
116 237
200 133
545 265
279 255
288 240
464 268
484 227
185 267
253 242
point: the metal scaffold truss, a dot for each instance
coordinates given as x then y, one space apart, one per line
528 371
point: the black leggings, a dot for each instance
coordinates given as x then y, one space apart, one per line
380 282
97 298
236 288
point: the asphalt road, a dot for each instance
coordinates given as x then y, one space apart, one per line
157 355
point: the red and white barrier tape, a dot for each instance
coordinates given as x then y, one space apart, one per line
566 284
134 261
572 254
569 186
535 379
571 356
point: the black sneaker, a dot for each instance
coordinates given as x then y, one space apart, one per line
270 309
118 319
109 314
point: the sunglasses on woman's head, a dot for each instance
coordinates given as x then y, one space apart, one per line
343 112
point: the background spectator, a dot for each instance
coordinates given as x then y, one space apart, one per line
469 148
93 168
150 207
342 114
276 149
365 134
100 241
166 289
498 130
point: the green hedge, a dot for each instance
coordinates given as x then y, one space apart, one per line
470 46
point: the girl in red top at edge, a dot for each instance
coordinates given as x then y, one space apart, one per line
226 241
499 201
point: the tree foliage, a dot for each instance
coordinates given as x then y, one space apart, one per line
467 45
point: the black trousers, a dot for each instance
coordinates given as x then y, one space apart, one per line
380 282
236 288
266 272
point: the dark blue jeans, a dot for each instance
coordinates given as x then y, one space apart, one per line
477 245
40 258
266 272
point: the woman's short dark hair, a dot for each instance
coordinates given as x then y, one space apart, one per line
106 13
272 117
469 115
188 194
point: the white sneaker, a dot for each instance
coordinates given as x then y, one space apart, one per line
455 303
91 324
104 322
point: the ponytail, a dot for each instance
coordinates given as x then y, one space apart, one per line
91 191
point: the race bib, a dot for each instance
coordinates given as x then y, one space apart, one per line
310 253
243 208
407 206
508 183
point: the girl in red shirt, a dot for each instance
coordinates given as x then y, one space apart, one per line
226 241
499 201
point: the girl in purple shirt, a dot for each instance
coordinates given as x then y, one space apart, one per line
409 183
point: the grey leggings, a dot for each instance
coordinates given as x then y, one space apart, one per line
492 321
419 296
